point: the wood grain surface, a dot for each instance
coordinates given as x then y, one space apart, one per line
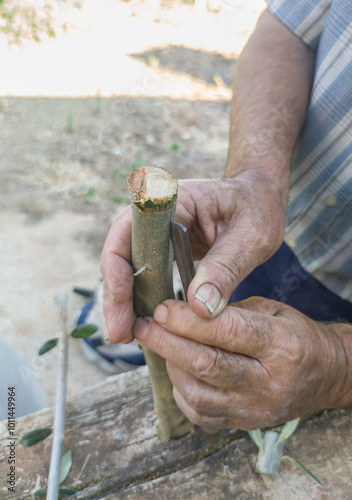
115 453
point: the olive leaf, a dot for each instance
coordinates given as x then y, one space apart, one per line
41 492
65 467
256 436
34 437
49 344
287 430
84 331
66 462
67 491
304 468
80 332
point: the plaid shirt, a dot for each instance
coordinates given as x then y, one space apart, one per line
319 220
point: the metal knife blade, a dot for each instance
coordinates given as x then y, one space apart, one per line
185 264
183 254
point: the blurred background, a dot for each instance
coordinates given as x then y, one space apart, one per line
89 90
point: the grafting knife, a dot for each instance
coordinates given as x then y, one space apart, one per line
183 254
184 261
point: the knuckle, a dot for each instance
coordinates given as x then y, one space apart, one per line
262 416
294 348
158 340
104 260
225 328
205 362
278 392
196 419
177 314
262 329
240 367
195 399
154 342
121 286
107 301
230 271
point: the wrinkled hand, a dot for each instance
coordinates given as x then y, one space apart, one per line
234 225
259 363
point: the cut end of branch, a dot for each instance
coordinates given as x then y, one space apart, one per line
152 188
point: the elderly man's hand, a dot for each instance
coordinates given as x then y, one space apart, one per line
259 363
234 225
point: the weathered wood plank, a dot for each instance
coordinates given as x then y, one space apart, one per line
323 445
110 430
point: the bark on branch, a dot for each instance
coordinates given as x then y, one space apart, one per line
154 205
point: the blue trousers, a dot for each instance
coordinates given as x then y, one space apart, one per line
282 278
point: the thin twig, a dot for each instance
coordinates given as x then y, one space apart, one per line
141 270
60 403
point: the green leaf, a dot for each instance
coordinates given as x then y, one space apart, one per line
41 492
67 491
34 437
287 430
257 438
84 331
62 491
65 467
174 146
49 344
305 469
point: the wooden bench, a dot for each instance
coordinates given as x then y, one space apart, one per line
115 453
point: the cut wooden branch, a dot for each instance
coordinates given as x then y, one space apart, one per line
271 447
60 403
269 457
154 205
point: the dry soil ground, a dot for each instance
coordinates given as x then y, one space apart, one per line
88 91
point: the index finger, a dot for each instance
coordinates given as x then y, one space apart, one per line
118 278
234 329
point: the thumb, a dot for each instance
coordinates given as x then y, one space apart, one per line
218 274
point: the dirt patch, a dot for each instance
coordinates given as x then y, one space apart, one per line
107 87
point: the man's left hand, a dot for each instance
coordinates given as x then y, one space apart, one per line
259 363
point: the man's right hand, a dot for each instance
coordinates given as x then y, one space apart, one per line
234 225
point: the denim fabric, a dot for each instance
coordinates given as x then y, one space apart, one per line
282 278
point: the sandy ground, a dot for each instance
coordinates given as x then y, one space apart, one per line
99 88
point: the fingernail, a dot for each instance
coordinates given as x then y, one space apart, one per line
160 314
210 296
106 333
141 327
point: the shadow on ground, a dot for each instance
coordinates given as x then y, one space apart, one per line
205 66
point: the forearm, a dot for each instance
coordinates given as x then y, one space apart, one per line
271 90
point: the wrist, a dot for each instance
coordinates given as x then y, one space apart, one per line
272 165
340 393
275 188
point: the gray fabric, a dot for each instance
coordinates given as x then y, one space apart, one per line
15 372
319 214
